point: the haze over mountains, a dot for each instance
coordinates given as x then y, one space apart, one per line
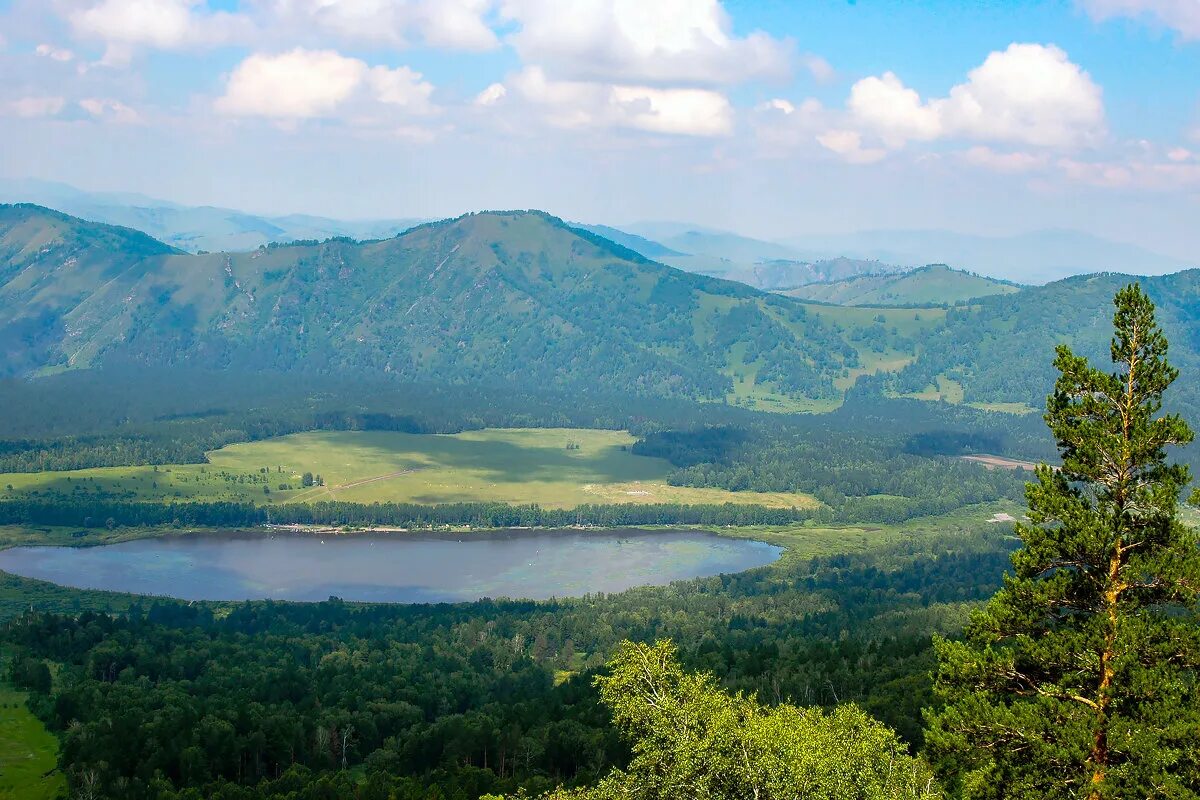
1030 258
193 228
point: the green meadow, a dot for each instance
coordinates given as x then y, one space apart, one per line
553 467
28 752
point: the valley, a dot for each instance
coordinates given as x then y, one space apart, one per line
312 467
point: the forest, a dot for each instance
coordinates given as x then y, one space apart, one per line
456 700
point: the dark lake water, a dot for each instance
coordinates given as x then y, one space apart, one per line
395 568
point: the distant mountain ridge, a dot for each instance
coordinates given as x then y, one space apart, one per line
932 285
1037 257
194 228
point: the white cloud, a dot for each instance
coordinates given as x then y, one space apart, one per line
1180 15
585 104
108 109
777 104
654 41
164 24
1028 94
30 107
302 84
401 87
848 145
890 109
459 24
54 53
491 95
296 84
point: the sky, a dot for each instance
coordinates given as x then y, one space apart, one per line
773 118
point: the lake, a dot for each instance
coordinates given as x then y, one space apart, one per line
391 568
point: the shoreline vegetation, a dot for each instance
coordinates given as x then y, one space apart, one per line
799 543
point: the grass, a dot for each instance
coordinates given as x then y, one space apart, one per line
28 752
553 467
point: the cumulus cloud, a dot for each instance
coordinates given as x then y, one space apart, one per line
642 41
890 109
1028 94
1181 15
302 84
459 24
31 107
124 25
587 104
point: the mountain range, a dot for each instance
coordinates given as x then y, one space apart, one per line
523 298
1030 258
504 297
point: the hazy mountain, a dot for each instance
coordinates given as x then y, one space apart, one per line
193 228
758 263
638 244
936 284
517 297
1034 258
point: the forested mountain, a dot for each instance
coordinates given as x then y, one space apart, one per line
935 284
522 298
504 297
999 350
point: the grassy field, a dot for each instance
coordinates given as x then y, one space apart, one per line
28 752
555 468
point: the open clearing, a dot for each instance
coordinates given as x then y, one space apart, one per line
1000 462
28 752
553 467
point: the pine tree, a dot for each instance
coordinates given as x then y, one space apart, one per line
1080 678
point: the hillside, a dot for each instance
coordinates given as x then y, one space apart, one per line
1000 350
936 284
504 297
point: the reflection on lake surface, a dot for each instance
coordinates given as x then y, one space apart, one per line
397 568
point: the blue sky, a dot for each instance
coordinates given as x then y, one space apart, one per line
772 118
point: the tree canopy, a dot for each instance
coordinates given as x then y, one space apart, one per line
1081 678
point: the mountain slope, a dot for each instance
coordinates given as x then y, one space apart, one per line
1000 350
504 297
936 284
